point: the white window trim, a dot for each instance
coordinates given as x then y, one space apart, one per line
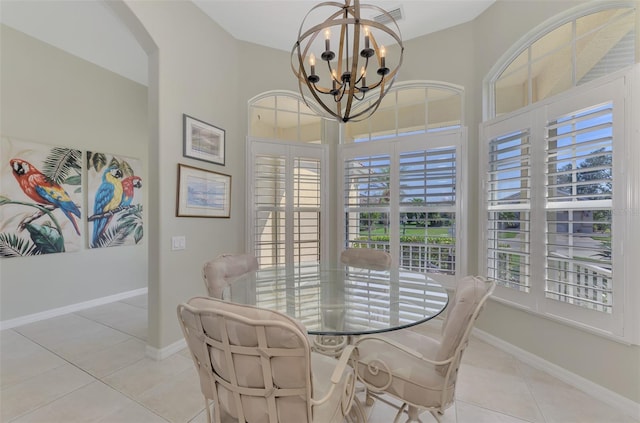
622 326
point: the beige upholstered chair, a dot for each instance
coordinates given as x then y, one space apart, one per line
418 370
366 258
221 271
257 367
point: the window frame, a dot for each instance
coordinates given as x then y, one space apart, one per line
528 39
622 324
290 151
394 147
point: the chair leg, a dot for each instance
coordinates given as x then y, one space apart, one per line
206 407
399 413
436 415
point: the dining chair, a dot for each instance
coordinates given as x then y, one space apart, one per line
256 366
366 258
419 370
220 271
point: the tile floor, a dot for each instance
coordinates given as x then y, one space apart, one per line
90 366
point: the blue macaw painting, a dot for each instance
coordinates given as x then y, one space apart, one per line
114 200
40 199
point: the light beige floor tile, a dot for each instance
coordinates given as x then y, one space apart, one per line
89 343
482 355
177 399
384 413
469 413
93 402
111 359
59 330
185 353
141 301
124 317
47 386
561 403
498 391
133 413
22 359
146 374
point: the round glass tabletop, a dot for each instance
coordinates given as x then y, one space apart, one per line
342 300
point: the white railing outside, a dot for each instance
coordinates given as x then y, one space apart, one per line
579 283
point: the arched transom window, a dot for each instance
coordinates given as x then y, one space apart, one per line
572 52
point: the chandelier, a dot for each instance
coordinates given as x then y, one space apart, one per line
348 79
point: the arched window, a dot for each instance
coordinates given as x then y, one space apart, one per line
283 115
558 171
571 51
411 108
402 174
286 171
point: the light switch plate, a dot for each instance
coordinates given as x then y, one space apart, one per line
178 242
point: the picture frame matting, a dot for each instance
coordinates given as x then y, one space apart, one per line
203 141
202 193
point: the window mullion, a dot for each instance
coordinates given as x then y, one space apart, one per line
538 201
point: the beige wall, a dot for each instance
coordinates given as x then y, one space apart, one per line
51 97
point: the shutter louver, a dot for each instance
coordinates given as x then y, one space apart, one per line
509 205
579 160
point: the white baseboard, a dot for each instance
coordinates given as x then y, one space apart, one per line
30 318
614 399
162 353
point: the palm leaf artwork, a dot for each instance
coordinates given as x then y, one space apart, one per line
46 238
33 227
97 161
127 225
60 163
125 220
11 245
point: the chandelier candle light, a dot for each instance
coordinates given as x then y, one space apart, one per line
360 65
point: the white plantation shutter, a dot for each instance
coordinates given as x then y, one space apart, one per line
509 206
269 200
367 200
307 177
403 195
579 161
428 199
560 213
286 202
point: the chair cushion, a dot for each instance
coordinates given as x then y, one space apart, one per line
469 292
322 368
287 372
366 258
221 271
413 379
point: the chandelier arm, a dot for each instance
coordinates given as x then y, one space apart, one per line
322 90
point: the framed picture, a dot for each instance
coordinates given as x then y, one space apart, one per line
202 193
203 141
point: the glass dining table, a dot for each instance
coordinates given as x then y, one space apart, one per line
342 300
337 303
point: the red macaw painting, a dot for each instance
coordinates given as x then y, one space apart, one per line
40 199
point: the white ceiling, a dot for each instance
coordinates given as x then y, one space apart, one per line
89 29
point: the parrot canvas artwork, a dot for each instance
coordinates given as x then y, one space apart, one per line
114 206
40 198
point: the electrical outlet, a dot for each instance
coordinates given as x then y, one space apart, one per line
178 242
